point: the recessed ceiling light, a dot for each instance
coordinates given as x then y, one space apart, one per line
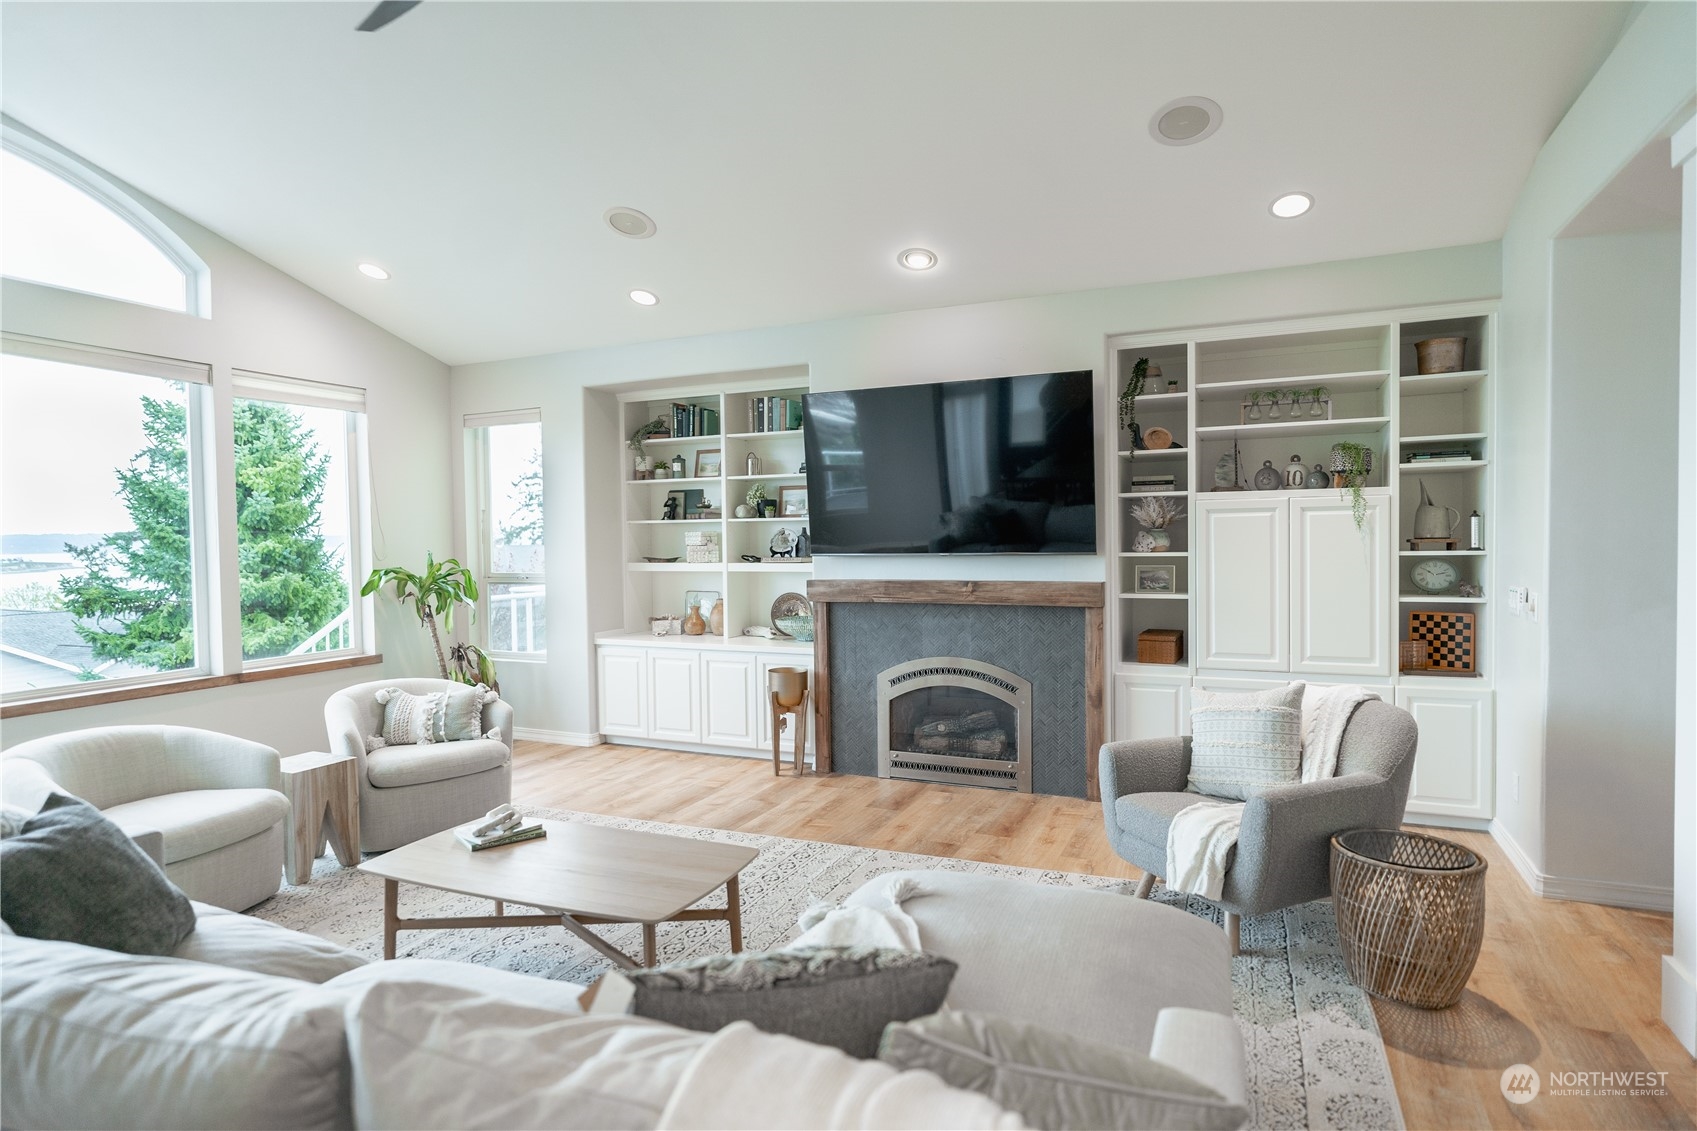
629 222
1291 205
644 298
373 271
1186 121
917 259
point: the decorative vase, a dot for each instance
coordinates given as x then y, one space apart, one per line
744 511
694 623
753 464
716 618
680 469
1295 474
788 684
1431 520
643 464
1317 479
1161 541
1267 479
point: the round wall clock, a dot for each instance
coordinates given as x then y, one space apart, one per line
1434 575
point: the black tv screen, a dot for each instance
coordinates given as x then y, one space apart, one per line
1001 466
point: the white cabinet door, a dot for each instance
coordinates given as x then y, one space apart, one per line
763 704
1242 614
674 688
1145 708
1340 586
624 691
1453 764
728 701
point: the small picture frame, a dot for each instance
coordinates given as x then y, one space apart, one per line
792 501
1154 579
707 463
700 599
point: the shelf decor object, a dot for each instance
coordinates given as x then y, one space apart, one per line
1449 639
1156 513
1411 914
1351 465
1440 355
1412 655
1433 521
1128 399
1160 646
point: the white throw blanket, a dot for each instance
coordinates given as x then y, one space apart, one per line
1202 836
882 923
748 1079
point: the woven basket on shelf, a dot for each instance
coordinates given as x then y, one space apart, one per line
1411 914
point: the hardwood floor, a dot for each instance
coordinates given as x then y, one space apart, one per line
1563 987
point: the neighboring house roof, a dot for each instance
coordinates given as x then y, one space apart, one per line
42 649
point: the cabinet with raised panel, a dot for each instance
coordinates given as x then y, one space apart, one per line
1452 763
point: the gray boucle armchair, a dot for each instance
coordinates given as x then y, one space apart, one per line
1283 854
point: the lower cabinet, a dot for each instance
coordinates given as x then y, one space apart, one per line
1453 766
1148 708
691 696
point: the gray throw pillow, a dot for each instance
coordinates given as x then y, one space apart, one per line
1241 743
461 716
1054 1081
837 996
73 876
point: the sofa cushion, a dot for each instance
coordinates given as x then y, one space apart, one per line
837 996
410 719
461 716
432 1055
543 993
1055 1081
1243 742
98 1039
71 874
391 767
1147 816
198 821
241 942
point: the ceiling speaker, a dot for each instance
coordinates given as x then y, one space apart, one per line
629 222
1186 121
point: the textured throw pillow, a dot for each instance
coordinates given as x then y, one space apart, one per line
837 996
461 716
72 875
409 720
1056 1082
1241 743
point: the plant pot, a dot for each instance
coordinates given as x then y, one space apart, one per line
1440 355
788 684
1162 541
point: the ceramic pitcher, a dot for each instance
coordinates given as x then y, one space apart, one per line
1431 520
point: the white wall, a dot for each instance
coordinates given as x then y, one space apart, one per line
267 321
1609 754
583 464
1635 97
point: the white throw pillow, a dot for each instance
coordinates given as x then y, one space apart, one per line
95 1038
427 1056
410 720
1243 742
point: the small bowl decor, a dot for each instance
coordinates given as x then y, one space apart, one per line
660 561
800 627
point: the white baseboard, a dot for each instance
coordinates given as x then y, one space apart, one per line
763 754
1443 821
562 737
1679 1002
1641 897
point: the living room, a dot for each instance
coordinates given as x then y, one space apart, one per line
772 233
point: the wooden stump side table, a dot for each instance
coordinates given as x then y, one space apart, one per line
323 793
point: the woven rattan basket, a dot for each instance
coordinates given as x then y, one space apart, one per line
1411 914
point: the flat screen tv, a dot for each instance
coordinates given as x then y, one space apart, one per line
1000 466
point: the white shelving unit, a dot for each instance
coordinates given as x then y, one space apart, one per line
1374 396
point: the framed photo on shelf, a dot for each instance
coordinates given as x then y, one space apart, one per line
695 504
792 501
707 463
699 598
1154 579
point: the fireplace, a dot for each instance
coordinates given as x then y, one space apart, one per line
957 720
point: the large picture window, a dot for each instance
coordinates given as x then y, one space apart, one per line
505 454
100 539
296 456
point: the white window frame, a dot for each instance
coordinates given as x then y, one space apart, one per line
68 167
197 380
481 534
250 385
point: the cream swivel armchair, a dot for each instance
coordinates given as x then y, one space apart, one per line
216 801
409 792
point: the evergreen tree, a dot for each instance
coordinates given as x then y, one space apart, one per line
291 584
526 525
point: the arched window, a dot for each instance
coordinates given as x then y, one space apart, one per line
66 226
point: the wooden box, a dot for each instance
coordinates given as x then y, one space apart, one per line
1160 646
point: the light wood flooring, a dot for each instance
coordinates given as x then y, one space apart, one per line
1559 986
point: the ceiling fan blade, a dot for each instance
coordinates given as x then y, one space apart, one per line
386 12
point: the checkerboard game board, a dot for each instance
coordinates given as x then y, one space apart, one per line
1448 637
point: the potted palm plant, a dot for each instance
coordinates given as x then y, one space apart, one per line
433 594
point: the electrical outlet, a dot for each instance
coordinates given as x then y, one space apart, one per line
1532 604
1516 600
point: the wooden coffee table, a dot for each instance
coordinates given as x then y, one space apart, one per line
579 874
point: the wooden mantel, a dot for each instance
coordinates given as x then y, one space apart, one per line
1087 595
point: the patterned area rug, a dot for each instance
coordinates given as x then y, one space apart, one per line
1315 1055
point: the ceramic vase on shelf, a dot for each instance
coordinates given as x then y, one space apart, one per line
1318 479
1295 474
695 624
716 618
1160 541
1267 479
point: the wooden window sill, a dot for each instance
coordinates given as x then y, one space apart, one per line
178 686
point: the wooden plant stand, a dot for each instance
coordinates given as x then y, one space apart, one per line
799 711
323 793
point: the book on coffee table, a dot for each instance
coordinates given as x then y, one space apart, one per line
530 830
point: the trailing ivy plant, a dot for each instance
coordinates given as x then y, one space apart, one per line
1353 461
1128 395
651 428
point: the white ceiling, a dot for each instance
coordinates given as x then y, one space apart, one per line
789 150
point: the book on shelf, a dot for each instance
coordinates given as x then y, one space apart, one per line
774 414
526 830
691 420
